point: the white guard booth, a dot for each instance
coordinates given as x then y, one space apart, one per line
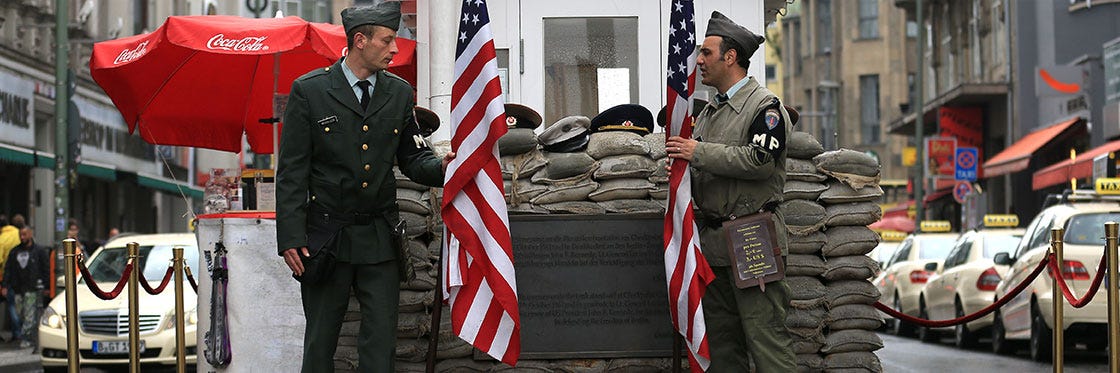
263 306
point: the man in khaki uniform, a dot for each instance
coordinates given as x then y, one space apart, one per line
738 168
344 126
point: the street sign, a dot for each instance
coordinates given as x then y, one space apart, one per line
966 160
961 191
938 158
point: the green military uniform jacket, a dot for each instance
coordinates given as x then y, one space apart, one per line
738 167
339 157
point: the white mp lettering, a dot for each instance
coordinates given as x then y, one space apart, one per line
129 55
774 143
759 139
245 44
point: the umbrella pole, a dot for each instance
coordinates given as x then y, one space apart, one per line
275 112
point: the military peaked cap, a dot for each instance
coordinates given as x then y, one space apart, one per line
626 117
521 116
567 135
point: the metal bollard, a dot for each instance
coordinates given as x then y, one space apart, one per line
134 308
1058 302
1111 230
180 331
70 247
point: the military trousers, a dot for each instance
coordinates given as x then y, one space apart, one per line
377 289
747 323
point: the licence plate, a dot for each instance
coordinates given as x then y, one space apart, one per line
113 347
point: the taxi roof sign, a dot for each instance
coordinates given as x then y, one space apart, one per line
936 226
1001 220
1108 186
893 236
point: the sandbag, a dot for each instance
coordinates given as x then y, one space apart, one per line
857 169
624 166
805 292
526 209
804 265
465 365
853 362
424 281
413 350
809 244
806 318
802 145
797 189
520 191
565 193
809 363
522 166
414 301
517 141
852 292
605 144
798 169
565 165
575 207
806 347
854 316
615 189
660 192
413 324
660 173
414 201
405 182
577 365
851 340
416 224
644 365
633 206
802 217
855 267
656 143
839 192
858 213
849 240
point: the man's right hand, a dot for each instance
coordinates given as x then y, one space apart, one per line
291 257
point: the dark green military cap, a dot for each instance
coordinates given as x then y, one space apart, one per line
386 14
720 25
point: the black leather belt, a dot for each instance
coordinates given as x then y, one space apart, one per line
343 219
717 223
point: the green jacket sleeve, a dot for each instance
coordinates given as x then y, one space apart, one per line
418 162
293 172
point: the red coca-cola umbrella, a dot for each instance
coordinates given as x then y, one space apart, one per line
894 223
203 81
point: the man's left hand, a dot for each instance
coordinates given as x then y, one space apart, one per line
447 160
680 148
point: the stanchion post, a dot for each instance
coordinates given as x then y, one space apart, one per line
134 308
70 247
1059 302
180 332
1111 233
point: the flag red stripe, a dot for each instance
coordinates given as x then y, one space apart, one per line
474 69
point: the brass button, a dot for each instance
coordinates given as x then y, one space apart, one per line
364 185
395 131
365 146
367 167
327 129
312 198
365 128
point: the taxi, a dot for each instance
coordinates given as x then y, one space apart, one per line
888 243
968 278
901 282
1028 318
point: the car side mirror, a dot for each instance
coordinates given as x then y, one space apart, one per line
931 267
1002 259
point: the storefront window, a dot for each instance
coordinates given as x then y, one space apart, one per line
590 65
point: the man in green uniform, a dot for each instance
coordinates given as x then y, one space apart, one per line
344 126
738 168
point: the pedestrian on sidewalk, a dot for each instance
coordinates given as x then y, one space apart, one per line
9 239
25 279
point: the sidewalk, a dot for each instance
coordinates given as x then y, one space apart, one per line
14 359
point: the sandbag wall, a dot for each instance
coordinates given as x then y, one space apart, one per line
830 198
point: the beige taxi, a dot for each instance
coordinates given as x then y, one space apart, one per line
905 274
889 241
967 280
1029 316
103 324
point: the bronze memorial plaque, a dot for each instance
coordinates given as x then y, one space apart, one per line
591 286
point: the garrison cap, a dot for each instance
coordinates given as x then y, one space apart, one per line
521 116
720 25
386 14
626 117
567 135
427 120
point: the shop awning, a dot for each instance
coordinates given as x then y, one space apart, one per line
939 194
1017 157
1081 168
168 185
98 170
26 157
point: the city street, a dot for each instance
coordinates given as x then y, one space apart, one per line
911 355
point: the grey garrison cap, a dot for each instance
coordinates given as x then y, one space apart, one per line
720 25
386 14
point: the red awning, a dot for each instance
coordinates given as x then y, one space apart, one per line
1062 171
939 194
1018 156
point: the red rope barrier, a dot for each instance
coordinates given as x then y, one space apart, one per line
190 279
976 315
1068 294
162 285
96 290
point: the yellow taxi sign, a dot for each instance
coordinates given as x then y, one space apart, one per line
936 226
893 236
1108 185
1001 220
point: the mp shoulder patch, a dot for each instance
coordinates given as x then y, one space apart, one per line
773 117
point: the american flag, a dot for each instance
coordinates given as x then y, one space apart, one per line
686 271
477 255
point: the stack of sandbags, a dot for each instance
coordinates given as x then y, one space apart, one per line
626 166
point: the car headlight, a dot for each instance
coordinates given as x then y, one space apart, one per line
189 318
52 319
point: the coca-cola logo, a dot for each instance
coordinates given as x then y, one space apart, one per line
245 44
128 55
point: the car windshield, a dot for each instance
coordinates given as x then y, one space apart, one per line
995 244
107 267
1088 229
935 247
886 249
